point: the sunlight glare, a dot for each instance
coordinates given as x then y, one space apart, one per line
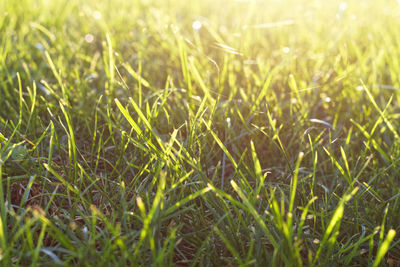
196 25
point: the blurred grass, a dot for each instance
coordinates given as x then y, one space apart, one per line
150 132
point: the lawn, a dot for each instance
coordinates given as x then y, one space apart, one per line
199 133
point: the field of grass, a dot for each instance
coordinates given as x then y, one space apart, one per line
199 133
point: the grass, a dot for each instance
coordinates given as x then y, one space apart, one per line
239 133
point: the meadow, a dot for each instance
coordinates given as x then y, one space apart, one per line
199 133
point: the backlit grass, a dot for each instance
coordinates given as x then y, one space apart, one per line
201 133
